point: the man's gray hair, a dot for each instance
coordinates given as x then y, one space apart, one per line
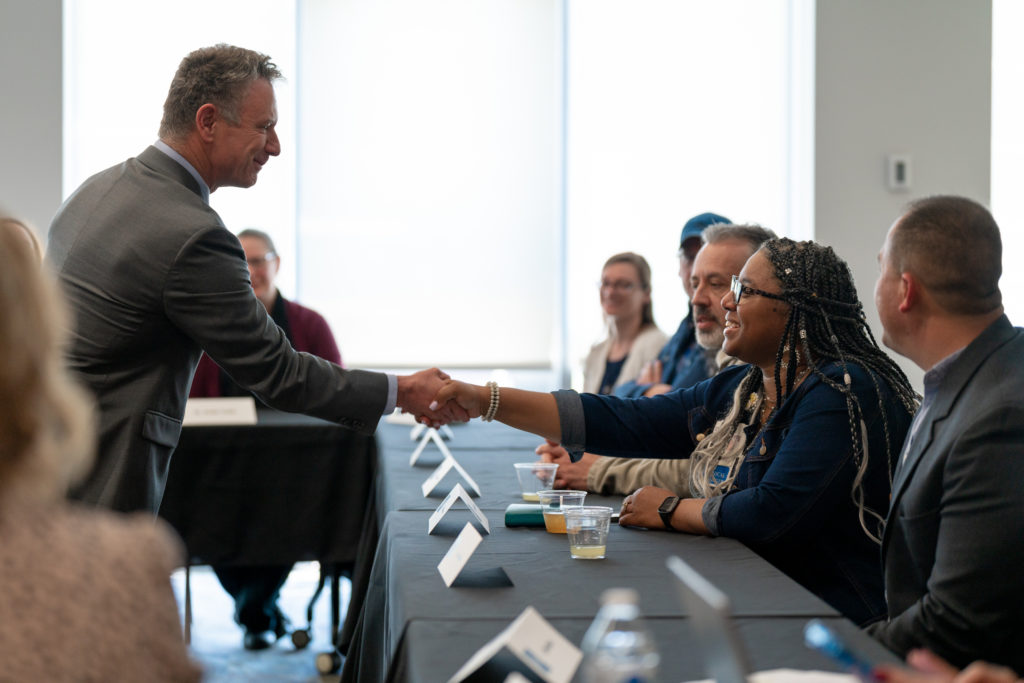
750 233
218 75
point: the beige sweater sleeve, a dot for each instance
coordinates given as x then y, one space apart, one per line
624 475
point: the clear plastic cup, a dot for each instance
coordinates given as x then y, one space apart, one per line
554 504
587 528
534 477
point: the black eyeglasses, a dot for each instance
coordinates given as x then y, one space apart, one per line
739 289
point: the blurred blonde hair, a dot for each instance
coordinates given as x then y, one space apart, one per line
46 425
8 224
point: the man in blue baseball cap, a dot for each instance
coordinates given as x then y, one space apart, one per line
682 362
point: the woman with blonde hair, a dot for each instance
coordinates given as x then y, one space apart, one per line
20 228
86 594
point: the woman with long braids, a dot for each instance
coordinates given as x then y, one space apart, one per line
792 453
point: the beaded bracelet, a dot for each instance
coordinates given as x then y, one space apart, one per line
495 399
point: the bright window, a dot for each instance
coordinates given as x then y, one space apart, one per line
454 173
1008 148
119 58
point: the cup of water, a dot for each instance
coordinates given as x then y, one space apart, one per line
534 477
587 528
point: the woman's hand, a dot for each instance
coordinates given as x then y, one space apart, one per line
640 508
469 397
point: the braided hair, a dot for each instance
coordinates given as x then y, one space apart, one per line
825 324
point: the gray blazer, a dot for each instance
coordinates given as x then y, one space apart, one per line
954 541
153 277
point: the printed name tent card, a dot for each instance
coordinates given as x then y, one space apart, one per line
455 494
458 555
438 474
419 427
429 435
208 412
530 646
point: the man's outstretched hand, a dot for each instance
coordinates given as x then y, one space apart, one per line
416 392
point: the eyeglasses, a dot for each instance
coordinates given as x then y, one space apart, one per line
739 289
261 261
618 285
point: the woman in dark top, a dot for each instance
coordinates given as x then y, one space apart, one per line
792 453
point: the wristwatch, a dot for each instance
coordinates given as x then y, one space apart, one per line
665 510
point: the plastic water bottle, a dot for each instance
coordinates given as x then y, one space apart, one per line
617 648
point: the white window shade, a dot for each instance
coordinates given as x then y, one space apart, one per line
429 204
675 108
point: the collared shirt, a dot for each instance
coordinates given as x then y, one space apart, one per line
204 189
932 379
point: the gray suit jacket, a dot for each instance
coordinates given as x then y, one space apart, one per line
153 278
954 541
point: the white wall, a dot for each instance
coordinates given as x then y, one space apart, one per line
30 114
891 77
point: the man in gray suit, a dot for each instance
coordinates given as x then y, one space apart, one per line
954 538
154 278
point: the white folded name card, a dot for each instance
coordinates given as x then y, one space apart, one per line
458 555
449 463
206 412
536 646
455 494
429 435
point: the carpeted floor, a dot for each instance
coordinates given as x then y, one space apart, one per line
217 639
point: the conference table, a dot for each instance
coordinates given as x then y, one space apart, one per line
289 488
414 628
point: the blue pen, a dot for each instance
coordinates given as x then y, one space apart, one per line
820 637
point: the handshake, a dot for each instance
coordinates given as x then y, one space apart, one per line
435 399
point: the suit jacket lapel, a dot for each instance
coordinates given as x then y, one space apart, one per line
964 367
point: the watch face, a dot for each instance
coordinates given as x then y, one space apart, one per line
668 504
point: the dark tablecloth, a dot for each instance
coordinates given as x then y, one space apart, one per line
405 585
432 650
287 489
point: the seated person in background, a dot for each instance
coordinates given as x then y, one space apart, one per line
86 594
955 531
682 362
21 229
726 248
256 589
633 338
927 667
791 453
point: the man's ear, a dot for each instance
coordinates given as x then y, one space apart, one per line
909 292
206 121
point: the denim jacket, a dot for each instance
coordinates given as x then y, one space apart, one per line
793 504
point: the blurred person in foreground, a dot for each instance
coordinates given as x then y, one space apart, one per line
256 589
21 229
154 278
790 454
725 249
86 594
955 530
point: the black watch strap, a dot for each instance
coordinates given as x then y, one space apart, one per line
665 510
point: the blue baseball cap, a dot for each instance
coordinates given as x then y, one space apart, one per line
696 225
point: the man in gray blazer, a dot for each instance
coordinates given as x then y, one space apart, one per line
954 538
154 278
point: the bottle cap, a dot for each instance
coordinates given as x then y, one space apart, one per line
619 596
